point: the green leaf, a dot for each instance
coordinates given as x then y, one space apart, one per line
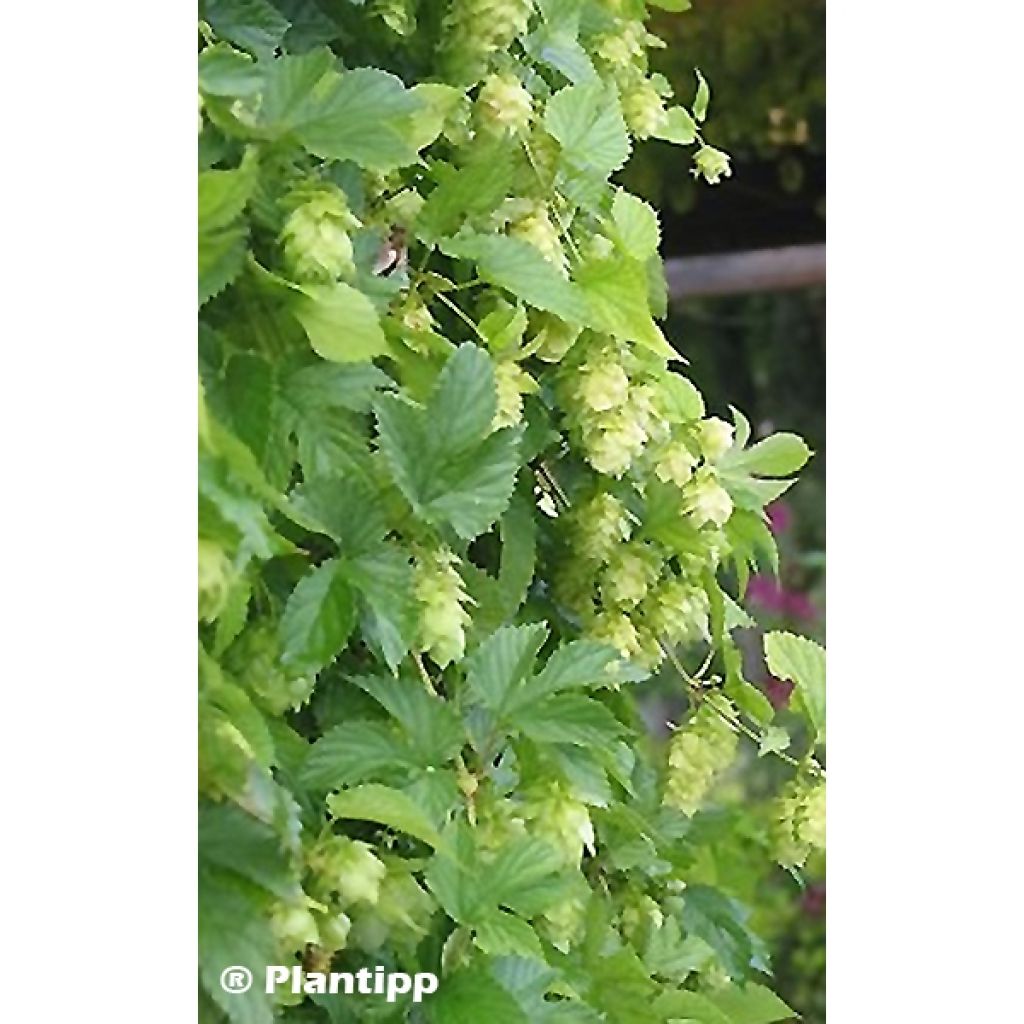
519 268
561 50
471 996
442 457
526 875
499 933
317 619
636 225
464 399
501 661
579 663
233 932
225 71
773 739
700 103
384 582
231 839
689 1006
386 806
678 128
682 400
469 191
434 729
341 322
721 922
587 120
750 1004
672 5
350 387
569 718
615 292
801 661
221 257
347 509
255 25
354 752
366 116
778 455
290 83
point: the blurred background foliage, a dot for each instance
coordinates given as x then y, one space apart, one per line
764 352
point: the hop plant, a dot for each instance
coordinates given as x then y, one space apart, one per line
563 821
347 867
677 611
215 576
256 657
563 924
712 163
706 500
534 226
441 595
674 463
503 105
798 825
630 573
644 110
294 926
698 754
315 237
475 30
716 438
599 526
512 382
401 914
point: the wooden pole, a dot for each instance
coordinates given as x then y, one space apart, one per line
757 270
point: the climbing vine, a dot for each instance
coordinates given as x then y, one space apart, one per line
458 501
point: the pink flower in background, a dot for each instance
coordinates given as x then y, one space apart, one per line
778 691
769 594
814 900
780 516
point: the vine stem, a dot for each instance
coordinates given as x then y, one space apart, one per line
462 315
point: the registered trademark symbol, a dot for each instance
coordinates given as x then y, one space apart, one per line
235 979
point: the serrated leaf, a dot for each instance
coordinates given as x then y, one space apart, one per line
464 398
472 190
502 661
434 729
471 996
383 580
615 293
692 1007
233 932
290 81
773 739
317 619
341 322
442 458
586 119
347 509
636 225
225 71
750 1004
682 400
561 50
385 806
231 839
579 663
366 116
255 25
354 752
722 923
801 661
499 933
569 718
518 267
221 257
